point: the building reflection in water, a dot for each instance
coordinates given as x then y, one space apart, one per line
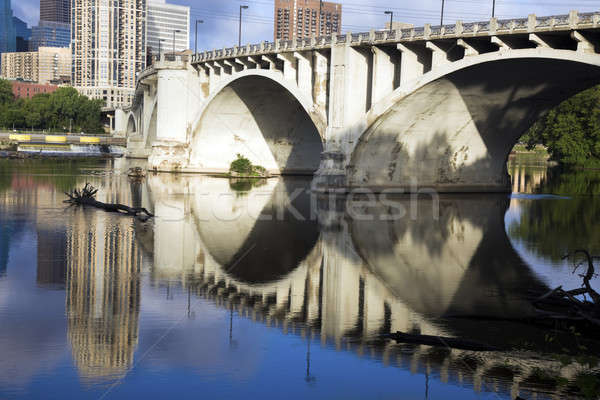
527 175
103 292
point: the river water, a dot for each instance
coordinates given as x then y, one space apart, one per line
263 290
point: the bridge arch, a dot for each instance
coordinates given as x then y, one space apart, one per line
453 128
262 116
131 125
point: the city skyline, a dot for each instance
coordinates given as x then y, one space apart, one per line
221 17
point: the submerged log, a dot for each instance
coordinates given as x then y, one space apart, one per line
439 341
86 197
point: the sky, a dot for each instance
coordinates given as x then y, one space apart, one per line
220 27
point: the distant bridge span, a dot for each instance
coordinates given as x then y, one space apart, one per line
435 107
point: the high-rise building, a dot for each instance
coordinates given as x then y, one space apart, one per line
108 43
7 28
23 34
47 65
300 19
164 21
54 28
55 11
50 34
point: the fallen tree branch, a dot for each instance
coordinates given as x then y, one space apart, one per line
440 341
86 197
567 300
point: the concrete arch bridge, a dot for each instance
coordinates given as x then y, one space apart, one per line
436 106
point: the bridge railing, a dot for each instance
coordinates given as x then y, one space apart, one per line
533 23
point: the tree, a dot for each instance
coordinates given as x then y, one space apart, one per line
6 93
56 111
571 131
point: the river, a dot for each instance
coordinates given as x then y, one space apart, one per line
261 289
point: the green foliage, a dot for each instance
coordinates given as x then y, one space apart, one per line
241 166
589 385
6 94
56 112
571 131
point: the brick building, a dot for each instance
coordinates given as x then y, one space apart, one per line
300 19
26 90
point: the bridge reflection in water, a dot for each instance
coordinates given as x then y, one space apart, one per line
345 280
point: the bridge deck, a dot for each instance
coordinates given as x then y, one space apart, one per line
493 27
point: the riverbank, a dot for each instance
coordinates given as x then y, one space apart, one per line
15 149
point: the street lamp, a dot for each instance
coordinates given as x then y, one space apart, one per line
391 14
240 32
160 48
198 21
442 18
174 32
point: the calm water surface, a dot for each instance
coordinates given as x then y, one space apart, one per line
241 290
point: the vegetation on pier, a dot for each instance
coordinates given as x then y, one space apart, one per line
243 167
63 110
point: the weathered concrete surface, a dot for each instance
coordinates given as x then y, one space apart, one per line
455 133
261 120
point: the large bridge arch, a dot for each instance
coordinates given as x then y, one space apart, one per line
453 128
262 116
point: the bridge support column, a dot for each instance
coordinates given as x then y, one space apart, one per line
305 78
204 77
384 73
289 66
439 56
246 63
321 84
177 91
583 44
214 74
412 64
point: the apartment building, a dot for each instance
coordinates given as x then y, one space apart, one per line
301 19
47 65
108 42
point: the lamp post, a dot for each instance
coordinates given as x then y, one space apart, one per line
493 8
240 31
174 32
442 18
391 14
160 48
198 21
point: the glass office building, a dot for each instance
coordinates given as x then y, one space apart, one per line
50 34
8 39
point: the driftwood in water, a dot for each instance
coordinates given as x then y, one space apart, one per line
440 341
86 197
567 301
